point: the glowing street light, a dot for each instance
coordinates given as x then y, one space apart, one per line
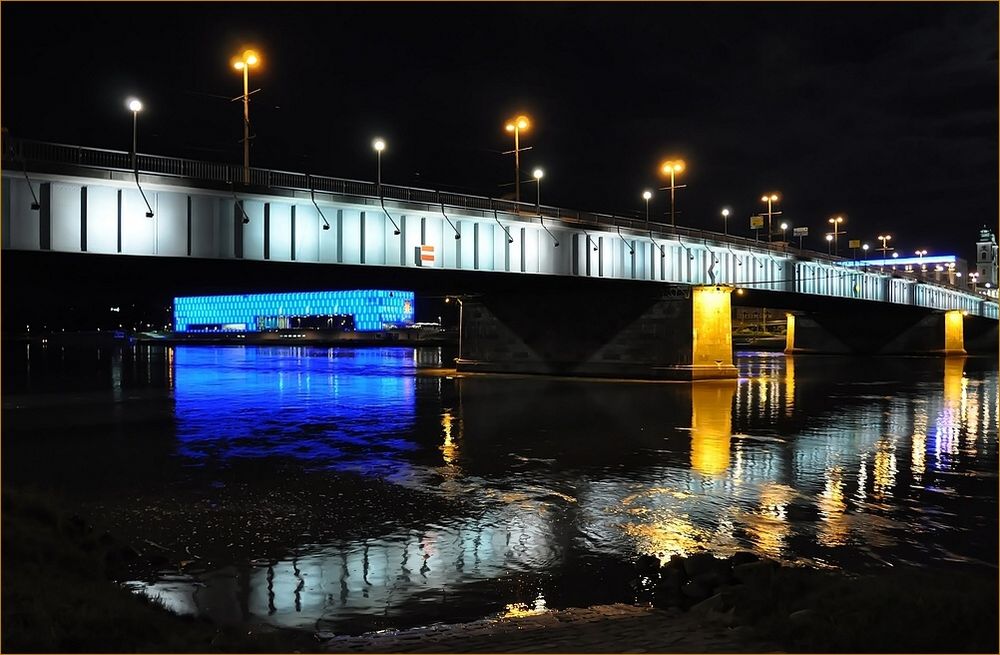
538 174
379 145
784 230
672 167
135 106
247 59
725 221
884 238
770 198
515 125
836 221
646 195
829 241
920 258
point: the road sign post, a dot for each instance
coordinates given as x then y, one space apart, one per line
800 232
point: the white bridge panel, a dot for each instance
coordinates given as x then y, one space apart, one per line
65 217
102 219
280 236
171 224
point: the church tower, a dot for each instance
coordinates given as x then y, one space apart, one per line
986 257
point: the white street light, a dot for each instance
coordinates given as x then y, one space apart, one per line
379 145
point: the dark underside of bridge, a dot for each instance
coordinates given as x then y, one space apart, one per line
574 316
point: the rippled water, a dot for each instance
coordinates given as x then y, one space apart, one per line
552 484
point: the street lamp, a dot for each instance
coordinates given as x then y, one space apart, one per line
515 125
864 247
920 258
135 106
770 198
836 222
725 221
974 278
379 145
672 167
538 174
784 230
646 195
884 238
247 59
829 240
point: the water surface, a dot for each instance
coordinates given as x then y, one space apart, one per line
527 492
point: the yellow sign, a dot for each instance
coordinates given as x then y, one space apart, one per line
854 243
756 222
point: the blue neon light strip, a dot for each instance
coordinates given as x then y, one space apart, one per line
904 261
372 309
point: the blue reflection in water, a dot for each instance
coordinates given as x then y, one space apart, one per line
337 408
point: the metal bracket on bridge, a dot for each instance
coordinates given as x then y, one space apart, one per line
589 240
631 250
381 199
149 210
35 206
542 222
312 197
239 203
660 246
735 256
458 235
510 239
686 249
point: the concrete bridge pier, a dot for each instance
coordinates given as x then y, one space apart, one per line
890 331
679 333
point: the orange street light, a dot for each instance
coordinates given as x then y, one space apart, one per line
836 221
246 60
672 167
770 198
515 125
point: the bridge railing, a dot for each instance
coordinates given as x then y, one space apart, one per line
24 152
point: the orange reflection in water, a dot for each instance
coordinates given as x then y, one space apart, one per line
768 527
711 425
833 511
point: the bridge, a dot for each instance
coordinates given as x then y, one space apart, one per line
663 312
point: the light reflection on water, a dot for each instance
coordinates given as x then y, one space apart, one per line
828 461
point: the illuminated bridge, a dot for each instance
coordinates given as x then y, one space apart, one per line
70 199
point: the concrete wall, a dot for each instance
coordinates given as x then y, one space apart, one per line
640 336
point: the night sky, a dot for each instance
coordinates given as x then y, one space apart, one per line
884 113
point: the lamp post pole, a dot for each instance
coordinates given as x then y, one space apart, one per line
836 221
515 125
135 106
247 59
884 238
769 199
672 167
725 222
538 174
379 145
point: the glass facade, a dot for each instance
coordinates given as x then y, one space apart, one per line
367 310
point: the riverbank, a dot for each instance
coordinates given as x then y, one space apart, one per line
58 597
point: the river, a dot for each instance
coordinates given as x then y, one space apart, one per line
347 490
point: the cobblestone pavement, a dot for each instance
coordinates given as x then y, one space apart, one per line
599 629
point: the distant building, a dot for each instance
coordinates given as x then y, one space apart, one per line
361 310
986 257
943 269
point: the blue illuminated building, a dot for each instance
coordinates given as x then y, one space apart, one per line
361 310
